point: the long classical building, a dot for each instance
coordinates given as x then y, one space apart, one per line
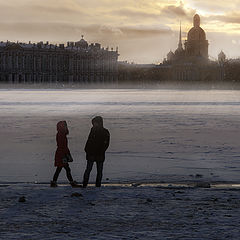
44 62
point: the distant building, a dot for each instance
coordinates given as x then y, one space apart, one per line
195 47
222 57
196 44
43 62
191 63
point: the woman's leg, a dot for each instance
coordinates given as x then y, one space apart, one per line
68 172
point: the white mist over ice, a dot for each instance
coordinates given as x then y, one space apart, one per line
156 135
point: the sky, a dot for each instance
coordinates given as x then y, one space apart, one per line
143 30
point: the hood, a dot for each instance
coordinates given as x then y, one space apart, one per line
61 127
98 120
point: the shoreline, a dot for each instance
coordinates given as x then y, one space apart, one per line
165 185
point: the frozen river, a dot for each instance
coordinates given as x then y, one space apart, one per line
156 135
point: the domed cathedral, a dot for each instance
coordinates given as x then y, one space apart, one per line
196 44
191 63
195 47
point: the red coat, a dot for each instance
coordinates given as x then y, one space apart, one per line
62 145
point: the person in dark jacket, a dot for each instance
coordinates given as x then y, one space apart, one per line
62 155
95 148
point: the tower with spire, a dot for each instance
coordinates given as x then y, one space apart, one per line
180 39
179 51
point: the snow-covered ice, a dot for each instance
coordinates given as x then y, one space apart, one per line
171 137
156 135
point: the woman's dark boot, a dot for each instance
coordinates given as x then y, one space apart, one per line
53 184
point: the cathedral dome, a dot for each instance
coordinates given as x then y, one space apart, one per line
196 32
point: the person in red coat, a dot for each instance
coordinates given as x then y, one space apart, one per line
62 155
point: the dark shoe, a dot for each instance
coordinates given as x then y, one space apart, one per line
74 184
85 183
53 184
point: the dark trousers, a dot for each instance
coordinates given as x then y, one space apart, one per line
88 171
68 173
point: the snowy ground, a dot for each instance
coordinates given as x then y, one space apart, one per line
176 137
156 135
118 212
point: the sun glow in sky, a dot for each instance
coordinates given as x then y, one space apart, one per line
144 30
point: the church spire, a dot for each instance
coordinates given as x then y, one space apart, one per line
180 38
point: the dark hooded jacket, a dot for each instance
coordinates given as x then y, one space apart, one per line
62 144
97 144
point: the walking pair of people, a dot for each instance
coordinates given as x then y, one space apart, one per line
95 148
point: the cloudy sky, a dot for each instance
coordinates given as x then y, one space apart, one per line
144 30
